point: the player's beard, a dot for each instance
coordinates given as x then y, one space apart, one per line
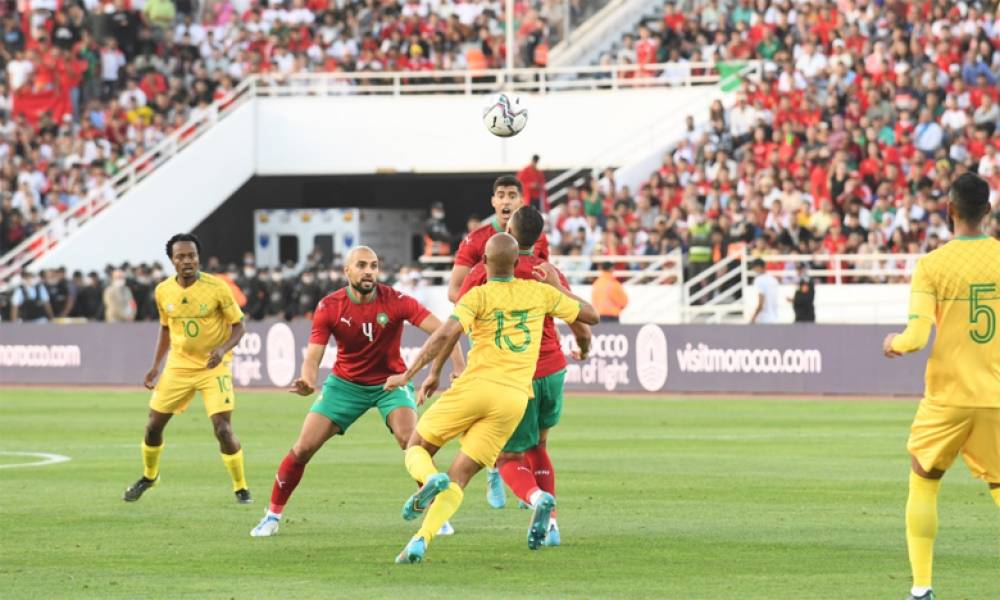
357 286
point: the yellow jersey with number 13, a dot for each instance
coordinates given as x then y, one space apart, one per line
957 288
504 319
199 316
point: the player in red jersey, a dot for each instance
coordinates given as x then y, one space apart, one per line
524 464
366 319
507 198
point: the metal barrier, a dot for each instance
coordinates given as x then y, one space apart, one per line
468 82
666 269
715 295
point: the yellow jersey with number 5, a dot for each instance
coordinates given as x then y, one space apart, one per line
957 286
199 316
503 319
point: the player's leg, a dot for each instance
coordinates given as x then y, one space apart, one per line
550 402
216 387
936 437
453 414
151 448
981 451
446 503
514 467
317 428
399 412
172 394
232 455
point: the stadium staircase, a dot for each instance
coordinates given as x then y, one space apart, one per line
600 33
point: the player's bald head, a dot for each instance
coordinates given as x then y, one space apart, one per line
360 253
501 255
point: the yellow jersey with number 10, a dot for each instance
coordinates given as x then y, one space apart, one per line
199 316
503 320
957 286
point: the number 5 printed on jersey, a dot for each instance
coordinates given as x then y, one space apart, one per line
982 317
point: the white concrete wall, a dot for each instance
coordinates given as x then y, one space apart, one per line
862 303
442 134
176 197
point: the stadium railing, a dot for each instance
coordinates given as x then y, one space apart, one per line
646 270
538 81
468 82
717 293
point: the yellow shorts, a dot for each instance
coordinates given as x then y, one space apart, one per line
177 386
484 413
939 433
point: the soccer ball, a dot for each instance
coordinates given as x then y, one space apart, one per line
505 115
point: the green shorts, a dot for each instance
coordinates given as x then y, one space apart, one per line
543 412
344 402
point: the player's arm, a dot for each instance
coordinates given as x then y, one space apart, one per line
587 315
305 385
923 308
431 324
458 275
440 343
465 258
235 335
581 331
162 347
232 314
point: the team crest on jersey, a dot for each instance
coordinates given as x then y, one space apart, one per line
382 319
203 308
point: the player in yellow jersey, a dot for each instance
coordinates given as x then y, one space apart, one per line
956 288
503 319
200 325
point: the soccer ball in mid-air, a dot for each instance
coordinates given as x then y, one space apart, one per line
505 115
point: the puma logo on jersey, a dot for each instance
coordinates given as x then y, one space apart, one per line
348 321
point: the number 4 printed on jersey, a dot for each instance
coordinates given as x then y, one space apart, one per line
369 331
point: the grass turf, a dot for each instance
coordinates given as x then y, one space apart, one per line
659 498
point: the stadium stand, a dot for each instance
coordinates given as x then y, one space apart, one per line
864 116
88 87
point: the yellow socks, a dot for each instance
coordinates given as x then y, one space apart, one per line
996 495
444 507
921 527
419 464
234 463
151 460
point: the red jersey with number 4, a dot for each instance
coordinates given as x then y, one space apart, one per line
471 250
368 335
550 358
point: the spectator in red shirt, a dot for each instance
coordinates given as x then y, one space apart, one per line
533 181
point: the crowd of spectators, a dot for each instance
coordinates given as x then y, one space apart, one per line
87 86
848 143
125 292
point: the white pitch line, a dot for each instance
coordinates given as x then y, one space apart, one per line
46 459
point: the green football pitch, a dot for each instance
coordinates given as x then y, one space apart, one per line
658 498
